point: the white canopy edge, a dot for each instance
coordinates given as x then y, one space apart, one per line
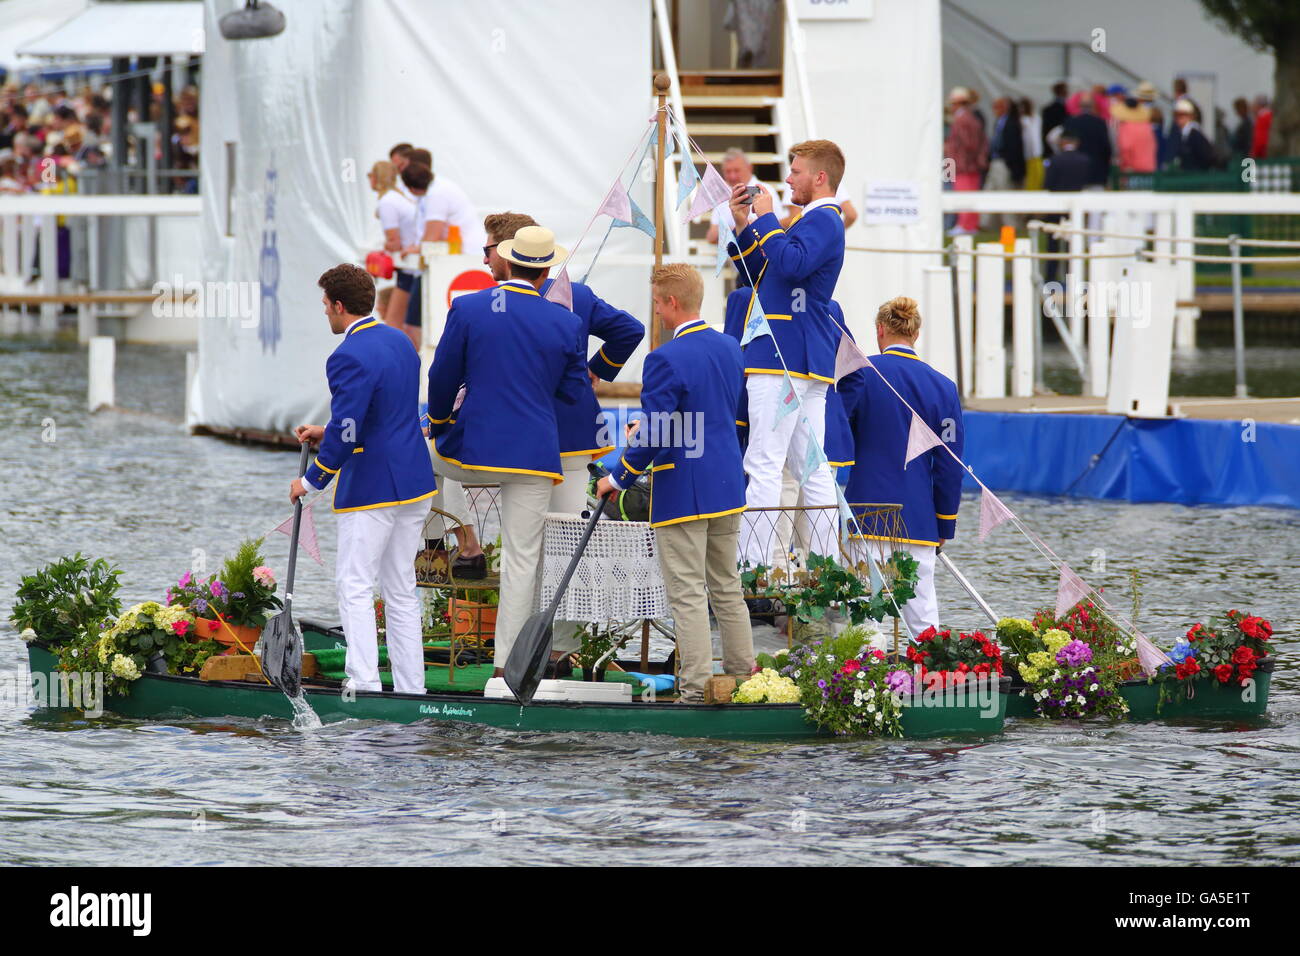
104 30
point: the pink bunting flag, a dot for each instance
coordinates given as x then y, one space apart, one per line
920 439
848 357
616 204
1069 592
306 533
1150 657
713 191
992 513
561 289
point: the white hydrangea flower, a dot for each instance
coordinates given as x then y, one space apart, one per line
125 668
28 635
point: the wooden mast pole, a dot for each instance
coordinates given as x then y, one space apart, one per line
661 84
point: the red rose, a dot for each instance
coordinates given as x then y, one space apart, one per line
1194 632
963 667
1223 672
1188 668
982 668
928 633
1243 655
212 626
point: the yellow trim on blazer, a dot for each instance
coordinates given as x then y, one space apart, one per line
600 353
744 424
668 467
890 351
878 537
782 318
693 327
945 517
326 468
716 514
747 251
357 451
520 289
363 326
781 371
623 462
769 236
384 504
555 478
439 421
841 464
593 452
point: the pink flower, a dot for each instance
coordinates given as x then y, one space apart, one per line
185 580
264 576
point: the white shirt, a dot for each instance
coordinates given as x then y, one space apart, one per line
365 318
447 202
723 215
396 211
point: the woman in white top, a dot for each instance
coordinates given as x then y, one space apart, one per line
1031 134
396 214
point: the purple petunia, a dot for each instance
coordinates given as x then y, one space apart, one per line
1074 654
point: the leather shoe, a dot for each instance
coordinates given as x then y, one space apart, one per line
470 569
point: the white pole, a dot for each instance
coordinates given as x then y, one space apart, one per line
938 343
965 310
1101 274
99 390
1185 277
191 373
990 309
1074 275
1023 314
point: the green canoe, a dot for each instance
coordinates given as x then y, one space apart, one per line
1209 699
165 696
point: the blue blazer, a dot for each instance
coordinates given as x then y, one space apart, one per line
930 487
373 441
690 386
794 274
620 334
839 439
516 354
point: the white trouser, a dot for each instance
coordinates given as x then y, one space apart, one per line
772 447
451 497
523 502
569 498
921 611
380 544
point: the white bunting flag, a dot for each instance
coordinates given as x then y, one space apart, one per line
756 325
561 290
992 513
920 439
814 460
617 204
725 238
848 357
306 533
1069 592
789 401
1150 657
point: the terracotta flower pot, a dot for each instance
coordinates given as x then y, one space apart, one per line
472 619
221 632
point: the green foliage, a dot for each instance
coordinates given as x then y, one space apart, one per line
827 584
775 662
66 600
596 643
237 594
1264 24
237 572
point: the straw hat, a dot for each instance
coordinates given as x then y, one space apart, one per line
1146 90
534 247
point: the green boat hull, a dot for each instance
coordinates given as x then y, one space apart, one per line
163 696
1210 700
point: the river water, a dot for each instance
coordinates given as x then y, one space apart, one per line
132 487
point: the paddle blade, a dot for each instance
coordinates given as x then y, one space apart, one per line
282 653
527 661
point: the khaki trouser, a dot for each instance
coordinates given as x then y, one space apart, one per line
524 500
569 498
694 554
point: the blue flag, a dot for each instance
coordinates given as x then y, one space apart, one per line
788 402
756 324
816 457
688 176
725 238
639 219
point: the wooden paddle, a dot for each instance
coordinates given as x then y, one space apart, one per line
532 648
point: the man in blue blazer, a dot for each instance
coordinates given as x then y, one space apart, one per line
374 446
929 488
687 439
793 274
515 354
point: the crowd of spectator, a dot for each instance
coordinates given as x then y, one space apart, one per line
50 135
1110 130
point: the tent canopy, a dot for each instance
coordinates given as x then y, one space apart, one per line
125 29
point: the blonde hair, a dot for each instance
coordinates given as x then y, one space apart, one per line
824 156
680 280
501 226
900 316
385 174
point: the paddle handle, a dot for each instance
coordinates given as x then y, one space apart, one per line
293 537
577 556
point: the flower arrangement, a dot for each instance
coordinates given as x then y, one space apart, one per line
1066 675
955 657
767 687
825 584
847 686
243 594
1087 622
122 650
1229 649
66 600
